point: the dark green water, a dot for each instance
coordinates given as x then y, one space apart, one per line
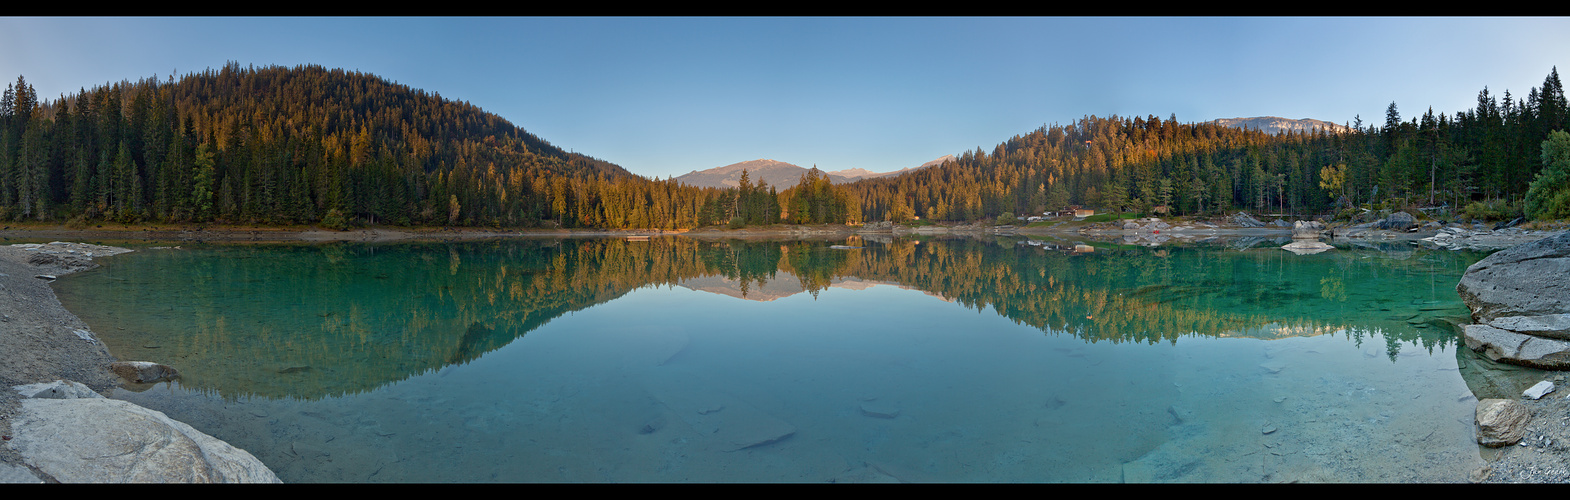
675 359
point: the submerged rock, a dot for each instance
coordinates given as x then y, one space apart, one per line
143 372
878 409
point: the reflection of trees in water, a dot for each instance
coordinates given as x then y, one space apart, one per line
1136 294
314 321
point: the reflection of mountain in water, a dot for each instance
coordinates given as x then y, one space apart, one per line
314 321
782 285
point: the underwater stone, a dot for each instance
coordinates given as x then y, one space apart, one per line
878 410
143 372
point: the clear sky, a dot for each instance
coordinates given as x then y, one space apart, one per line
665 96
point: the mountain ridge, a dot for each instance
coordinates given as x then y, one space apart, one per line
1277 125
782 175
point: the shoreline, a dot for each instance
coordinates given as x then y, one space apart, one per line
39 339
1182 229
307 234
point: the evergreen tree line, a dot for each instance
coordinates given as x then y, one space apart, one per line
308 145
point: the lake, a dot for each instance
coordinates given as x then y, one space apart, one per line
998 359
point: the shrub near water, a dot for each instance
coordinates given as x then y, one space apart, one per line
335 220
1549 196
1491 210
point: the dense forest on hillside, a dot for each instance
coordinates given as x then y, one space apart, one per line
274 145
1488 155
301 145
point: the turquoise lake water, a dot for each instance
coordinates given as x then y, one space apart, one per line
681 360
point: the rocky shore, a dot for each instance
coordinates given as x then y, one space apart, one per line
55 426
1520 300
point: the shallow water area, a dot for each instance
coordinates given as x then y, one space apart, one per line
603 360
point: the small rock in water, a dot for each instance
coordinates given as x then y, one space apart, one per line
1537 391
652 426
143 372
879 410
1267 429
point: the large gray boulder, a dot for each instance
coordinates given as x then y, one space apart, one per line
1246 220
1307 229
77 436
1520 298
1399 221
1530 279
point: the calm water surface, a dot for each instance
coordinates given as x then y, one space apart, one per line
676 359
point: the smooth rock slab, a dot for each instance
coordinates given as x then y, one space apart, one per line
1501 422
59 389
17 474
99 440
1512 347
1547 325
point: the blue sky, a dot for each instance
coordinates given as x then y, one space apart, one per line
665 96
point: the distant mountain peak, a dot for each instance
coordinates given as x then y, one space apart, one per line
780 174
1278 125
